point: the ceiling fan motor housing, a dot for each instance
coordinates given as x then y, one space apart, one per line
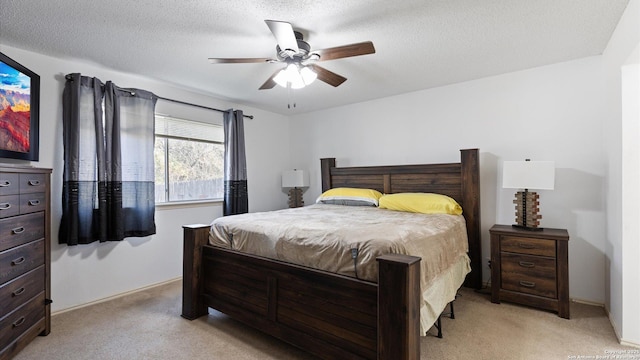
303 51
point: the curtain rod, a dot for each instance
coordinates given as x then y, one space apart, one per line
68 77
196 105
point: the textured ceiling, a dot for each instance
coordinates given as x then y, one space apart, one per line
419 44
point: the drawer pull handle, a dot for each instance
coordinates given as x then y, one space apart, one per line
18 261
18 230
19 322
5 183
5 206
526 264
34 202
34 182
19 291
526 246
528 284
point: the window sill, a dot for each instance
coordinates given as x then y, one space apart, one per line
188 204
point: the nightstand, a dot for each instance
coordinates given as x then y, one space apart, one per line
530 267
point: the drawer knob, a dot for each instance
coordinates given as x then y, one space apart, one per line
19 322
18 261
5 183
526 246
526 264
528 284
34 202
5 206
18 230
34 182
19 291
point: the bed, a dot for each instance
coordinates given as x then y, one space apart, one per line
328 314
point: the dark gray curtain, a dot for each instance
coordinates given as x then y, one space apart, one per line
108 180
236 197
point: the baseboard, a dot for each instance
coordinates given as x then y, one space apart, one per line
615 331
588 302
629 343
114 296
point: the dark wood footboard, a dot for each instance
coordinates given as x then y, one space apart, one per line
329 315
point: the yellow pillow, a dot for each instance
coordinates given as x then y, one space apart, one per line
350 196
425 203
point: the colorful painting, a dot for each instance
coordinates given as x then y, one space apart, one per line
15 109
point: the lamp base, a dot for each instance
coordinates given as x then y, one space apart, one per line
295 198
527 216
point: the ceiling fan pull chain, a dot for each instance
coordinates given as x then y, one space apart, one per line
289 96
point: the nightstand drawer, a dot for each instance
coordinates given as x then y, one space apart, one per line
530 246
529 274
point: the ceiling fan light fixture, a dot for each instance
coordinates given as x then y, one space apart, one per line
295 76
308 75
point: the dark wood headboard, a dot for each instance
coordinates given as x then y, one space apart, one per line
460 181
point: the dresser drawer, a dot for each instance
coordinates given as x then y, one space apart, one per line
18 291
20 320
9 205
530 246
9 183
34 202
21 229
33 183
18 260
529 274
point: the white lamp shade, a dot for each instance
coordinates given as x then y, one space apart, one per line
536 175
295 178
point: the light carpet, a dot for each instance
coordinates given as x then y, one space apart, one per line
147 325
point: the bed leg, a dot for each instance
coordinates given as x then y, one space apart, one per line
195 236
398 307
453 314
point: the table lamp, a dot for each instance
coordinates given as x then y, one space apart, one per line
526 175
295 180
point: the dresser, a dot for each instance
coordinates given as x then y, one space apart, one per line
25 257
530 267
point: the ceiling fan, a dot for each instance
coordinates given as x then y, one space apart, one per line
296 53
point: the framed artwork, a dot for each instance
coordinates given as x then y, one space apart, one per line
19 110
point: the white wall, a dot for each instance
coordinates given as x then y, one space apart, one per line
86 273
621 144
547 113
630 206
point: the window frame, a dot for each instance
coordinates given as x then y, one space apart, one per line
167 202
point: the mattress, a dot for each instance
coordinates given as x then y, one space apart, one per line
347 240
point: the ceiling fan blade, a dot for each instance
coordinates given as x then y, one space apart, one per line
270 83
327 76
241 60
344 51
283 32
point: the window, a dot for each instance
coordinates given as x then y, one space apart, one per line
189 160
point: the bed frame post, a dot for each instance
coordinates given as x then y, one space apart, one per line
470 167
398 307
325 167
195 237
